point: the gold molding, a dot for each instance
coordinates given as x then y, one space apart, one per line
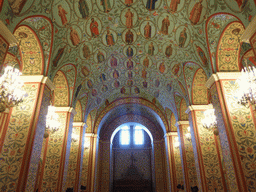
222 76
181 123
171 133
38 79
79 124
65 109
198 108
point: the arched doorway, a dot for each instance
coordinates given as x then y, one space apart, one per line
132 157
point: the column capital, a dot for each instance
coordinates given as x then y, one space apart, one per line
181 123
65 109
38 79
90 135
222 76
171 133
198 108
79 124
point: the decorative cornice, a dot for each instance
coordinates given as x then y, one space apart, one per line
65 109
48 83
181 123
7 35
198 108
37 79
249 31
222 76
91 135
79 124
171 133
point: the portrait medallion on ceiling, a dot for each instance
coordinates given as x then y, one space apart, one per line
74 35
197 11
146 61
61 13
105 5
58 54
129 36
183 36
86 50
113 61
168 50
109 37
100 56
200 52
129 17
83 8
93 27
128 3
175 6
152 5
148 29
19 7
129 51
151 48
165 24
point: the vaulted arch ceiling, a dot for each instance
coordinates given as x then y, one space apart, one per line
124 48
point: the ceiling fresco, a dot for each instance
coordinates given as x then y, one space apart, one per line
123 48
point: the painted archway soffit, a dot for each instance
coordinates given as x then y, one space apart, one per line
126 47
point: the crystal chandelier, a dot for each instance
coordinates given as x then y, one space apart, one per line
11 92
52 120
209 122
246 93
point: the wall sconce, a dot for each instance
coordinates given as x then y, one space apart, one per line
11 92
188 135
52 121
209 122
74 138
176 142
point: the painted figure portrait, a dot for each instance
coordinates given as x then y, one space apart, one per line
129 18
165 25
94 28
110 38
74 37
147 31
62 13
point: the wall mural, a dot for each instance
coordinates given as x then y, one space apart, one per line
156 36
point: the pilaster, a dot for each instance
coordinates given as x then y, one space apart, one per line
236 129
206 153
187 157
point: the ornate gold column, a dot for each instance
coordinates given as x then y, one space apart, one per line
24 136
76 150
175 172
187 157
206 153
236 131
4 121
58 150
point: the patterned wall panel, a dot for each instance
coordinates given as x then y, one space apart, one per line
84 174
4 45
3 127
73 159
78 116
168 114
244 132
227 156
173 122
38 141
89 124
61 92
178 163
16 137
229 48
30 50
183 108
199 90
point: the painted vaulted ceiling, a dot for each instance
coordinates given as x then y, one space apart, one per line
121 48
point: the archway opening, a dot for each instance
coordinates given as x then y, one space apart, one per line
132 157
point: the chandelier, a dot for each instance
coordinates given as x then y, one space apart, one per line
246 93
11 92
52 120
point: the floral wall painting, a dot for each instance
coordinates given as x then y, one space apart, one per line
197 11
93 27
61 13
129 17
83 8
